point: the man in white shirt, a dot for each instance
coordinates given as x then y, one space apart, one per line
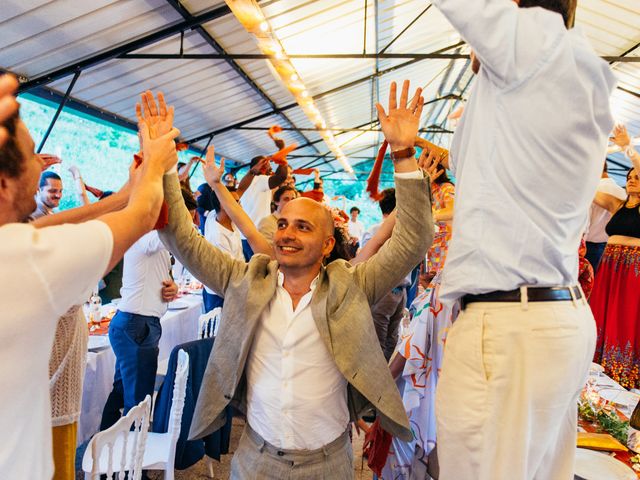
220 232
296 348
51 269
255 192
135 330
596 237
49 194
356 228
536 122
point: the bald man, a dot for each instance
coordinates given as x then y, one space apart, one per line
297 351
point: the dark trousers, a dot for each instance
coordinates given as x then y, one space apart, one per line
246 249
594 253
211 300
134 339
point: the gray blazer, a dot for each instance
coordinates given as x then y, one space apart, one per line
340 308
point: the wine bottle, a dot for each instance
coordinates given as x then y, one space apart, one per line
633 439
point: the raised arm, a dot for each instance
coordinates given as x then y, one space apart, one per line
608 202
509 41
622 139
91 211
279 176
413 232
213 175
81 190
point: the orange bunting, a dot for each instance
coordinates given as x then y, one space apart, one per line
303 171
273 130
373 182
280 157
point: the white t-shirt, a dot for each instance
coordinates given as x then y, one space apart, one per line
598 216
256 200
146 265
356 229
44 271
228 241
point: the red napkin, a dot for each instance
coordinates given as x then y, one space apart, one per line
373 181
303 171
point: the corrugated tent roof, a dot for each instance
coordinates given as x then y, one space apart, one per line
236 99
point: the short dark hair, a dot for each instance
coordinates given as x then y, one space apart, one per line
605 168
48 175
180 165
354 209
281 191
388 202
443 178
189 200
11 161
255 160
566 8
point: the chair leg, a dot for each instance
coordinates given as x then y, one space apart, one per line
209 465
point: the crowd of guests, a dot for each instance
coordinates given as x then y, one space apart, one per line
321 325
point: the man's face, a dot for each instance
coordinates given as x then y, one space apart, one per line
22 189
285 198
51 193
304 236
633 183
354 215
229 180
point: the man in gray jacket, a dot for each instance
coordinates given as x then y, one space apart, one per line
297 351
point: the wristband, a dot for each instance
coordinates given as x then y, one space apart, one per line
403 154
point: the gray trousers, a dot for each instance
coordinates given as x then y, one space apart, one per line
256 459
387 314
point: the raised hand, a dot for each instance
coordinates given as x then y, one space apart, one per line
400 124
212 173
620 136
156 114
47 160
428 162
8 103
159 151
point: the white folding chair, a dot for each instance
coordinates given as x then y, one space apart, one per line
120 442
209 323
160 451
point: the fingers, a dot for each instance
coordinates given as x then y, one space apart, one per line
415 100
172 134
404 95
222 163
8 85
418 111
162 106
139 112
210 157
382 115
392 97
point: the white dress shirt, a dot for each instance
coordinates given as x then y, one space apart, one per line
146 265
528 151
256 200
228 241
599 217
296 396
356 229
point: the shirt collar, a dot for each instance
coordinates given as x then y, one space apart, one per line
312 287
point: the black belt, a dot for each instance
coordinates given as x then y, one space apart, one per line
534 294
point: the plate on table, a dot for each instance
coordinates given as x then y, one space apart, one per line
592 465
178 305
97 342
622 398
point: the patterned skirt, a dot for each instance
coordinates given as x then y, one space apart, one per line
615 303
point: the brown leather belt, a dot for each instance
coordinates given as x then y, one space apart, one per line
534 294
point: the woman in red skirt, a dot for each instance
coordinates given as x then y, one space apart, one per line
616 296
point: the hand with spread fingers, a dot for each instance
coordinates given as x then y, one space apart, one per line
400 124
156 114
428 162
212 173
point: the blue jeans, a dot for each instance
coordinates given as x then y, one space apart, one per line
134 339
594 254
211 300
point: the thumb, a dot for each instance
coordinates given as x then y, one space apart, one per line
172 134
143 129
381 113
167 283
210 155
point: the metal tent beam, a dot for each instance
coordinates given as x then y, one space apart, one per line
206 36
59 110
125 48
317 96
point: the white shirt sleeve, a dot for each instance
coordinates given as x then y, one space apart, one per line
509 41
70 260
415 175
151 243
612 188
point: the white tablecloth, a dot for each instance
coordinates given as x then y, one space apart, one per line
178 326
